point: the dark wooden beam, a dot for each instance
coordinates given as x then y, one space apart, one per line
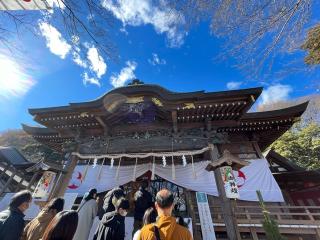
103 124
174 121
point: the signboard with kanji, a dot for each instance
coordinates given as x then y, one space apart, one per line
205 217
44 186
230 184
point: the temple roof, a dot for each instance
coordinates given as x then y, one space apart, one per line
148 107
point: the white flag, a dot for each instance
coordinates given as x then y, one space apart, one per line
25 5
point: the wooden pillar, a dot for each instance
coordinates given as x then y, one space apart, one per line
226 204
33 179
13 173
66 177
227 209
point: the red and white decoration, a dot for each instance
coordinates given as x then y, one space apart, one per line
44 185
255 176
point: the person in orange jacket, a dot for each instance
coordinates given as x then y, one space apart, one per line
166 227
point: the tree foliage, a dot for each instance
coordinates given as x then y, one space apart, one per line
312 45
270 226
30 148
301 145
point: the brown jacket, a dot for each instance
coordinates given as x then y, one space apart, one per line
168 229
34 230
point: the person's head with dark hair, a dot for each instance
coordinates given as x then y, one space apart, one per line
62 227
56 204
144 184
92 194
164 202
122 206
116 195
150 216
181 221
21 200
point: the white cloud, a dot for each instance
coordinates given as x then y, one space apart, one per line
275 93
14 79
97 64
92 62
78 60
55 42
141 12
126 73
233 85
156 60
86 79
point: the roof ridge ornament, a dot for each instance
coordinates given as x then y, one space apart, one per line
135 81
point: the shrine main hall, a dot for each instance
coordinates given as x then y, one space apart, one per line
181 141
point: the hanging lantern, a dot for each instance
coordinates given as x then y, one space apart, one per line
153 168
86 171
164 161
118 168
95 161
173 170
193 170
135 171
184 161
100 170
111 163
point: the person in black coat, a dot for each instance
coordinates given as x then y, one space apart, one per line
11 220
112 226
110 199
142 201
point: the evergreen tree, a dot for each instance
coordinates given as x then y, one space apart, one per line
270 226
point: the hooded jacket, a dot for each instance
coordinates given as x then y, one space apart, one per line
36 228
11 224
168 229
111 227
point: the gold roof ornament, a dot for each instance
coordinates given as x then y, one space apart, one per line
189 106
157 102
134 100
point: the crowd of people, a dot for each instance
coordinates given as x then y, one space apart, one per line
152 220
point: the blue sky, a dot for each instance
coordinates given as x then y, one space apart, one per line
50 73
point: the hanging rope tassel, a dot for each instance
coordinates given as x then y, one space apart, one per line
118 168
135 171
173 170
153 168
100 170
193 171
86 171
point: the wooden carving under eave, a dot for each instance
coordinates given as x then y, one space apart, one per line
226 159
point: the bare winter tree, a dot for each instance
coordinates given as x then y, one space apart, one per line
86 20
255 32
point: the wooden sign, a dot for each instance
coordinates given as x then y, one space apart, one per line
44 185
230 184
205 217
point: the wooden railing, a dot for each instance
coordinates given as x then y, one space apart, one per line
302 219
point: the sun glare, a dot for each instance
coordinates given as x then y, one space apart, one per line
14 79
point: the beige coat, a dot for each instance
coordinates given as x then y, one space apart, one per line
34 230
